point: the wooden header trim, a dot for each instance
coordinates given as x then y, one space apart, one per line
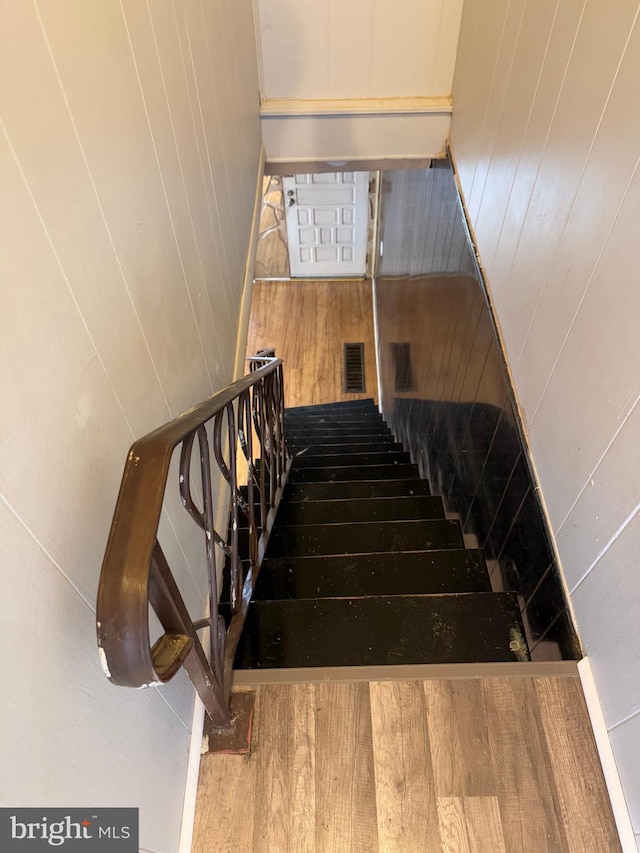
290 107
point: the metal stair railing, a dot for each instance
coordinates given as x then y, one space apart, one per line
248 414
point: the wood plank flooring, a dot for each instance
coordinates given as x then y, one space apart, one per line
308 322
458 766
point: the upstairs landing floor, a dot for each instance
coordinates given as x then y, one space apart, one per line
477 765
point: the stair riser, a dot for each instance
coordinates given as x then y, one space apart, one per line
337 417
341 434
336 475
410 573
342 460
380 631
364 538
322 449
365 509
344 406
355 489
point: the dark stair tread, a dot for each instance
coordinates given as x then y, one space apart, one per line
341 405
365 509
344 433
308 540
379 631
342 460
405 573
354 472
351 425
330 417
354 489
355 444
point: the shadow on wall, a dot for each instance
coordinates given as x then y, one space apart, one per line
447 397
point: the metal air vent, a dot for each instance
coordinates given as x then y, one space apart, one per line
354 368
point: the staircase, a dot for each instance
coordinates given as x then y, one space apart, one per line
362 567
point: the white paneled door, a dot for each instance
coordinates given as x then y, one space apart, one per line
327 223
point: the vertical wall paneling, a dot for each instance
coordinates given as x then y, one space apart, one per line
556 231
420 226
129 150
360 52
458 419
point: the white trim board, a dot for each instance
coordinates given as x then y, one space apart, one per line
191 782
607 760
278 107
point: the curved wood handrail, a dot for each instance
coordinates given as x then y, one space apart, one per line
134 570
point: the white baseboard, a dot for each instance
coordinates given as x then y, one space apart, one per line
607 760
193 773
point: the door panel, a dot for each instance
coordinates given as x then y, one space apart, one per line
327 222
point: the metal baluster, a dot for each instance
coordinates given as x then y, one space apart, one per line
218 631
235 561
273 484
258 397
253 527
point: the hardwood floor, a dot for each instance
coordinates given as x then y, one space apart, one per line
308 322
458 766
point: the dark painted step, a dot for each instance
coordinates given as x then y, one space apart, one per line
391 630
365 509
355 444
331 417
405 573
343 433
349 422
354 489
334 421
354 472
341 405
310 540
341 460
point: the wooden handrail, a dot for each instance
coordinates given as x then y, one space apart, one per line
135 572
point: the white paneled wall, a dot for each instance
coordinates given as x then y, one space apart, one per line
362 49
129 158
546 135
355 137
421 231
359 49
